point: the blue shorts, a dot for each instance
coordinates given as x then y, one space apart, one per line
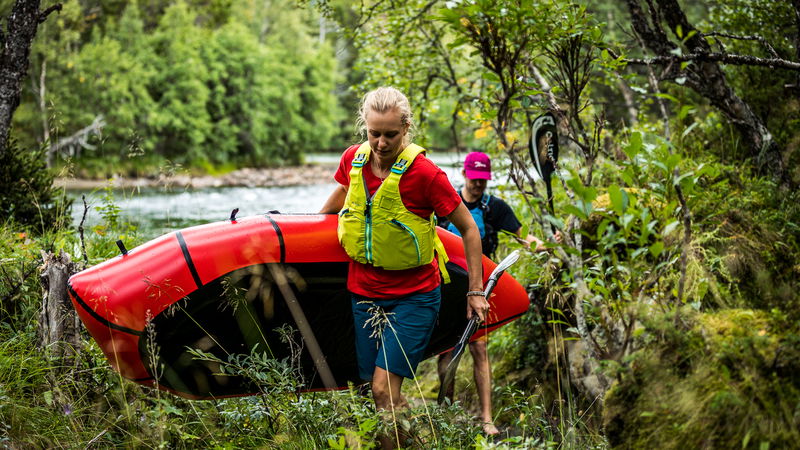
393 333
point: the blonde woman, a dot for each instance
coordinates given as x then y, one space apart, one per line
388 195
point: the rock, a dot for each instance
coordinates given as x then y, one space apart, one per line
246 177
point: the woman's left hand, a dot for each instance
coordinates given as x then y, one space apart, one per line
477 304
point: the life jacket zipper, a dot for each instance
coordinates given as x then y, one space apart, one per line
413 236
367 220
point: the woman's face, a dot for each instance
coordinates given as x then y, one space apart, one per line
385 132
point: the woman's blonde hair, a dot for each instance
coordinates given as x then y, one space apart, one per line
381 100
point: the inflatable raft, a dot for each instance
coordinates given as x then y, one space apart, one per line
213 288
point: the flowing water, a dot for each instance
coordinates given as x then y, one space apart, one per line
156 211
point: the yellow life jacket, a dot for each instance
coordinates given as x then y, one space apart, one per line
378 229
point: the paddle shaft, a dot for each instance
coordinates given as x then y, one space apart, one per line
299 316
458 350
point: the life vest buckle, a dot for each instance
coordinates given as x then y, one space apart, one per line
359 160
400 166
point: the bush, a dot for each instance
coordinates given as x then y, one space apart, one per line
27 195
722 380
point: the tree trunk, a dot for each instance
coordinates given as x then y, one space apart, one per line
21 30
707 79
59 325
16 43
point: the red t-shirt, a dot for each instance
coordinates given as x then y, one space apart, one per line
425 189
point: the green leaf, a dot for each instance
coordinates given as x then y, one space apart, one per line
670 228
672 161
684 111
556 321
656 248
490 76
628 176
689 129
554 221
619 198
576 211
48 398
667 97
634 145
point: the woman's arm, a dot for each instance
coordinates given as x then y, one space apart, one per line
335 202
463 220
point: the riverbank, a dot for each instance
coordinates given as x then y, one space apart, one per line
248 177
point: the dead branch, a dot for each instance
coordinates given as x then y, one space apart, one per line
725 58
43 15
705 76
80 232
15 286
79 140
760 39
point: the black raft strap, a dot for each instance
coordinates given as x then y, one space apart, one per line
188 258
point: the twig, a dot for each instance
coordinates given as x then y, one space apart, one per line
43 14
687 238
94 439
16 286
546 88
80 232
760 39
363 20
725 58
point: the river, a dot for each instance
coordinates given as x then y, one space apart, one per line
156 211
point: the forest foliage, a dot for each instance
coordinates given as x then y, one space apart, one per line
666 317
222 84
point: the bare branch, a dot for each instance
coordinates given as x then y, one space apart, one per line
80 232
80 138
43 15
369 13
760 39
420 14
548 90
725 58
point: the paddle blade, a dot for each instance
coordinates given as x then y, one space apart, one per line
543 146
458 351
507 262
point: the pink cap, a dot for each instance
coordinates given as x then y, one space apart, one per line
477 166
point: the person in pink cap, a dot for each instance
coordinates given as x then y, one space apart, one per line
492 215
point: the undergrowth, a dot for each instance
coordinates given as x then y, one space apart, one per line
713 370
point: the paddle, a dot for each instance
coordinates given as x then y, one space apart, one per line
472 325
543 148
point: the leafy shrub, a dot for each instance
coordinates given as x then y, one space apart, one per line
27 195
721 380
